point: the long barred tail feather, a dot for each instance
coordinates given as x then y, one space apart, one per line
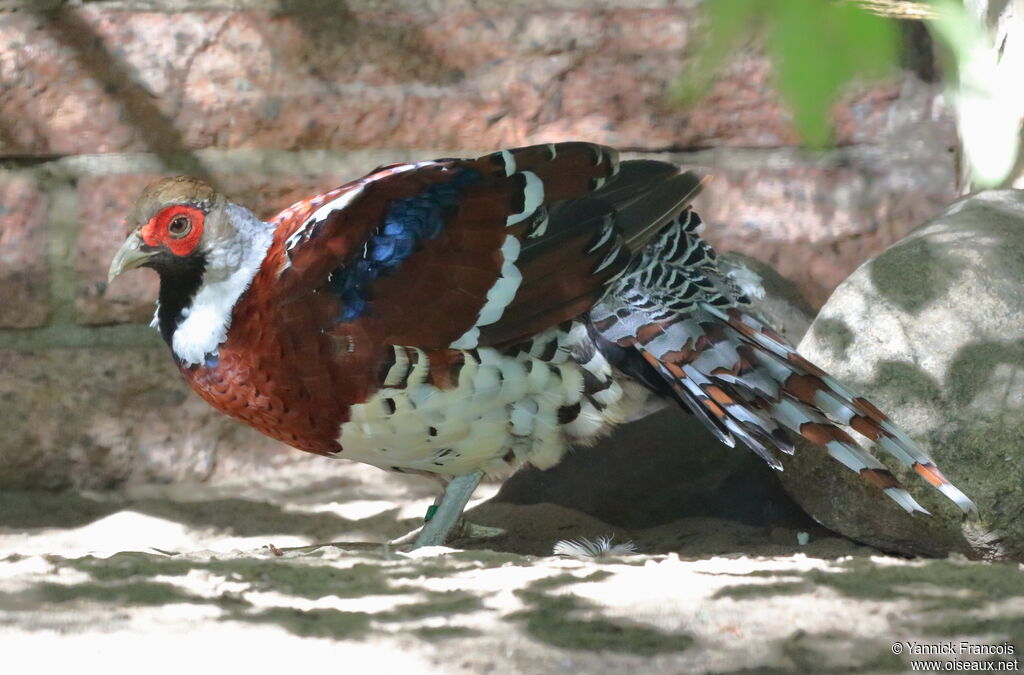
689 322
812 386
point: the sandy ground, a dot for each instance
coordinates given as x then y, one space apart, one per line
186 579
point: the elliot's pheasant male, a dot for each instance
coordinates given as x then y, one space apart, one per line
459 317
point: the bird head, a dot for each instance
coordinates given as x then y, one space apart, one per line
175 223
206 250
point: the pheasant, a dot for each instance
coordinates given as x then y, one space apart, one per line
462 317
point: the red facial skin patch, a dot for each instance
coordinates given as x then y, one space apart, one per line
157 232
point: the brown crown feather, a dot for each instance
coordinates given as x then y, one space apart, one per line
167 191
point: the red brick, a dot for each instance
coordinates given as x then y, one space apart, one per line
105 200
24 272
456 80
470 40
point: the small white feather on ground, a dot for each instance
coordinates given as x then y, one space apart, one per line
598 548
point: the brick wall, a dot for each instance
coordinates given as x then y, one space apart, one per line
274 99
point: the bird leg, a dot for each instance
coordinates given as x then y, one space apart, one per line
445 518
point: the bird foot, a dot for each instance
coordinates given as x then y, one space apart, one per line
463 530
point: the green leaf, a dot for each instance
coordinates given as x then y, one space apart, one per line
816 46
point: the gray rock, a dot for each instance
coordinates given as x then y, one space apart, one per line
932 331
668 466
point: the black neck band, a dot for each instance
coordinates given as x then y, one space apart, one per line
180 279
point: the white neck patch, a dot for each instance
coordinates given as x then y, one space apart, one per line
231 263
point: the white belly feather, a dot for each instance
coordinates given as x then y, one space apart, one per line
503 412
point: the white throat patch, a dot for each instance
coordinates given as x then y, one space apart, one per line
231 264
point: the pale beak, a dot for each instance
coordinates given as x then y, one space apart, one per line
130 256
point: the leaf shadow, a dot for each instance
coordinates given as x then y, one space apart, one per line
559 620
914 273
156 128
973 366
148 580
947 598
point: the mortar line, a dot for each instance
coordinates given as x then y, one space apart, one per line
62 237
293 162
67 336
367 6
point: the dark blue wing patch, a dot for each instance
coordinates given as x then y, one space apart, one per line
408 223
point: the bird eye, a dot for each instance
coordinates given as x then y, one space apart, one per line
179 227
